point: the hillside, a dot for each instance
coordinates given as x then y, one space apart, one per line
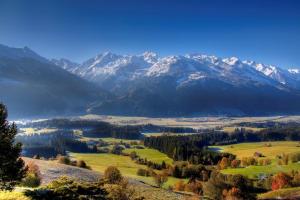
31 86
51 170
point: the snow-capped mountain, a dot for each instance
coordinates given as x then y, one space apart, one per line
192 84
294 71
145 84
66 64
118 69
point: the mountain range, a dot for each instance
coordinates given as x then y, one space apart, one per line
146 85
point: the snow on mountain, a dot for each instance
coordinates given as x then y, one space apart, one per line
65 64
294 71
192 67
231 61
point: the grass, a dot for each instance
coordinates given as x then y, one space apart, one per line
128 168
248 149
193 122
151 154
282 193
12 196
160 134
255 171
231 129
116 140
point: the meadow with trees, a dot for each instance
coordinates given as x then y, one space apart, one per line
241 164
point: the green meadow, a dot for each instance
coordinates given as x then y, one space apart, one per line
100 161
268 149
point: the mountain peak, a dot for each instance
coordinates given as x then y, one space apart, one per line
231 61
294 71
150 56
17 53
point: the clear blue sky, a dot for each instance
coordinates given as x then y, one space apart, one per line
264 30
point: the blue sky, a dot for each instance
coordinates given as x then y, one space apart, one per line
263 30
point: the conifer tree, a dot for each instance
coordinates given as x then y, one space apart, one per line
12 168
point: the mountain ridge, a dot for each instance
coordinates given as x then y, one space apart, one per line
146 85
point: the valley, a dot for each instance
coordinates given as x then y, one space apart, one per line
255 144
149 100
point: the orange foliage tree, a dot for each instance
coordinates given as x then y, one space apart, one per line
280 180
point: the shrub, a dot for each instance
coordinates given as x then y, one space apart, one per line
122 191
33 168
82 164
143 172
133 155
179 186
113 175
33 176
64 160
280 180
160 179
117 149
31 180
224 163
294 157
66 188
235 163
194 186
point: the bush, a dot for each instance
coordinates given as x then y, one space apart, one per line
133 155
179 186
143 172
117 149
280 180
82 164
66 188
64 160
194 186
112 175
31 180
33 176
122 191
160 179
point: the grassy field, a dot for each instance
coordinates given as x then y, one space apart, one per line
287 193
193 122
248 149
112 140
231 129
160 134
255 171
99 162
151 154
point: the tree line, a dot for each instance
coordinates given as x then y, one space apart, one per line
193 148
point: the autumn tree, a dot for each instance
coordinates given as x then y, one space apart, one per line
160 179
179 185
224 163
113 175
33 176
280 180
12 168
235 163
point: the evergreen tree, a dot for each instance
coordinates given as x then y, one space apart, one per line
12 168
